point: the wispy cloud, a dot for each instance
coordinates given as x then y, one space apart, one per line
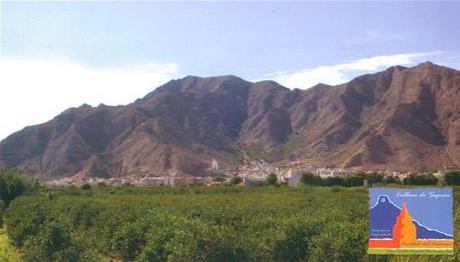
340 73
34 91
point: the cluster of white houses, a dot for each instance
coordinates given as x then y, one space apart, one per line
132 180
253 173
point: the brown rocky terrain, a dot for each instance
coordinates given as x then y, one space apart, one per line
402 119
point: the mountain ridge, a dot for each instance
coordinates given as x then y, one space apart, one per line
403 119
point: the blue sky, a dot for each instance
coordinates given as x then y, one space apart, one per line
435 213
113 52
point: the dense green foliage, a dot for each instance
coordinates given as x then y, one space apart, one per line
272 179
346 181
7 252
2 209
391 180
191 224
195 224
86 186
452 178
236 180
421 179
13 185
311 179
357 179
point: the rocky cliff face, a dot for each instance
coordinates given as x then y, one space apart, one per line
399 119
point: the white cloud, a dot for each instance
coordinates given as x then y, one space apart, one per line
341 73
34 91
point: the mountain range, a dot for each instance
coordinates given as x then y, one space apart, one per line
402 119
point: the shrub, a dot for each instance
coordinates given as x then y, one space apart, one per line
374 178
392 180
86 187
236 180
156 244
201 241
83 214
2 210
23 220
452 178
52 243
422 179
333 181
312 179
293 245
353 180
12 185
128 239
272 179
340 242
335 189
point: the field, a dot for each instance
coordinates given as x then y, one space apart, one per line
196 224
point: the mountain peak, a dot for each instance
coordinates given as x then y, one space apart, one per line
426 64
211 78
430 65
85 106
368 123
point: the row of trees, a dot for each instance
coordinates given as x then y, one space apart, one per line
358 179
450 178
349 180
270 180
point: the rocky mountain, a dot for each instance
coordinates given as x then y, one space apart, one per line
400 119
